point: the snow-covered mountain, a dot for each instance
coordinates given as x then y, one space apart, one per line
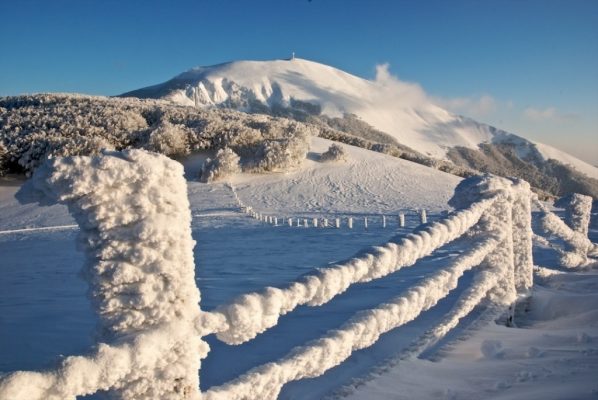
399 109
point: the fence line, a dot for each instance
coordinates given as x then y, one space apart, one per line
322 222
141 272
253 313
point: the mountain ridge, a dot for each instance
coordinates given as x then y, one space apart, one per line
399 109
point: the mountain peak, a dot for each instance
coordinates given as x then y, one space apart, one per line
399 109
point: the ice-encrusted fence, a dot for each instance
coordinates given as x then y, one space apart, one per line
135 227
569 237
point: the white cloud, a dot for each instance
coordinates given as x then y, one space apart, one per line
547 114
469 106
395 91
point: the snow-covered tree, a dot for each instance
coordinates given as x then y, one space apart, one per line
282 155
168 139
222 166
3 159
334 153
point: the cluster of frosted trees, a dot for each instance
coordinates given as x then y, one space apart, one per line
34 128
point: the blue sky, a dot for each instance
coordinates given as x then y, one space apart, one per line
527 66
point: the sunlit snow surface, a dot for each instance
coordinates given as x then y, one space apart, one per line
45 314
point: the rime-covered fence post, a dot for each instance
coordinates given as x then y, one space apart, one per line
423 217
135 222
578 208
522 236
509 219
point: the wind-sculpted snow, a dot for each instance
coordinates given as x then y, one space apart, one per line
134 216
253 313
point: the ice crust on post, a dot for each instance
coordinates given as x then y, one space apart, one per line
135 222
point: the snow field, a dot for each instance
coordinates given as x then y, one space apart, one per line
253 313
494 213
141 272
322 222
496 254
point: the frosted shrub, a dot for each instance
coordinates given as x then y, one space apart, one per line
282 155
41 146
222 166
334 153
4 158
168 139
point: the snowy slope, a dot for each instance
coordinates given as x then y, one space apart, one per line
44 312
368 183
400 109
45 315
551 355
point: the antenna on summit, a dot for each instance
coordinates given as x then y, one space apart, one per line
292 56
